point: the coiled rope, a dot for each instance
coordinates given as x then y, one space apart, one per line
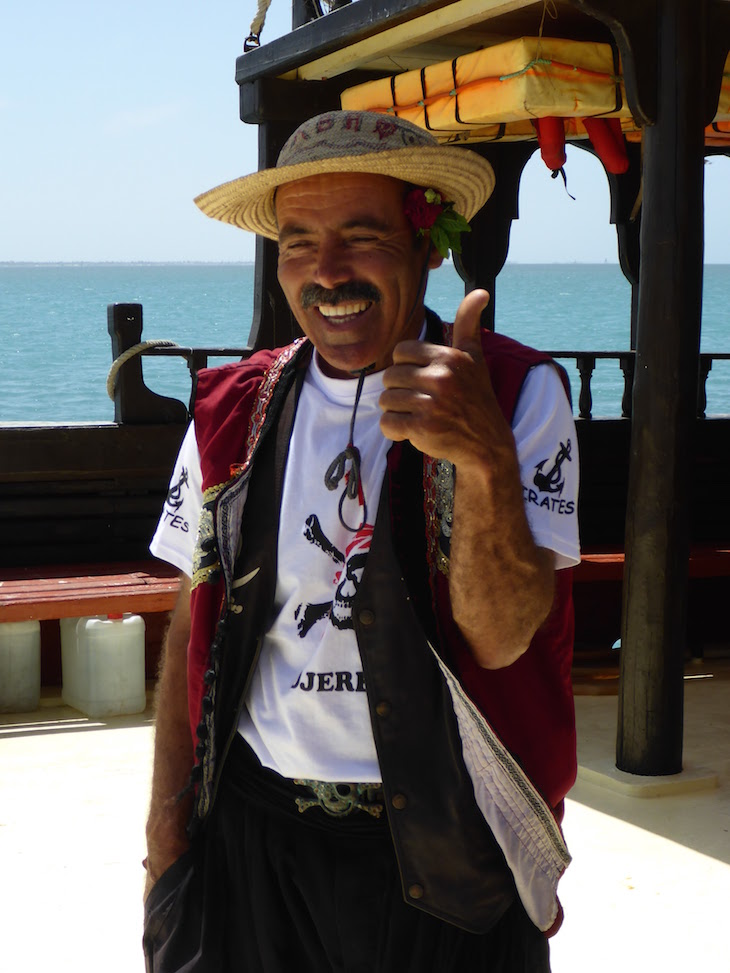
111 379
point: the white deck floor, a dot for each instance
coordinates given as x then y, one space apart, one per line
649 887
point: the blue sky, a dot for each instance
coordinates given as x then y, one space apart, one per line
114 116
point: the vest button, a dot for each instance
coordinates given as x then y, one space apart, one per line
399 801
383 708
415 891
366 617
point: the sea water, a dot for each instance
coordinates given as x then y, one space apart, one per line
55 350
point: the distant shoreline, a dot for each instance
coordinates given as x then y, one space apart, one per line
5 264
126 263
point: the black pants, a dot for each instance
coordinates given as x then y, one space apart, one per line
276 891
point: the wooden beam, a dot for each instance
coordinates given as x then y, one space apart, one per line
273 323
387 46
346 38
718 46
277 107
649 739
78 452
632 25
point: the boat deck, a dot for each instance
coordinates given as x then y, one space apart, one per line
648 887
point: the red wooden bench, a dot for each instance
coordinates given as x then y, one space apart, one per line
70 591
705 561
597 596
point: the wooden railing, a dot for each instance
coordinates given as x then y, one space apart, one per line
586 363
135 403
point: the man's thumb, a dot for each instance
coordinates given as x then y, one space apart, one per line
466 322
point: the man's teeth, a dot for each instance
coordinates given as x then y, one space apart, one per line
343 310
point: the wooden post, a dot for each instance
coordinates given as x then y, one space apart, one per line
302 12
665 397
484 250
277 107
625 190
133 401
273 323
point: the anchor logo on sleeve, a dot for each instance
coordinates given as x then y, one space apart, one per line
553 481
175 500
175 496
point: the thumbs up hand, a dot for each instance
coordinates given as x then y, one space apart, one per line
467 323
441 399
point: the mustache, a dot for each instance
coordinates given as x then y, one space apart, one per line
354 290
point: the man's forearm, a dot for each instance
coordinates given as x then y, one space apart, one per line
500 582
173 754
443 401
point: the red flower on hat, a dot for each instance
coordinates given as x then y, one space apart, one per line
427 212
421 212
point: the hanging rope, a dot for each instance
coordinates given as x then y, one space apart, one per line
337 468
111 379
257 25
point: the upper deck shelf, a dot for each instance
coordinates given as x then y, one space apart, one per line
369 39
390 37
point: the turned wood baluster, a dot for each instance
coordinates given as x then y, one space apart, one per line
586 365
627 367
704 371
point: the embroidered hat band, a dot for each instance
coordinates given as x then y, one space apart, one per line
353 142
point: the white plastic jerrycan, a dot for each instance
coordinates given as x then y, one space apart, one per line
20 667
103 664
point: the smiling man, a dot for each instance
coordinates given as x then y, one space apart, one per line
365 727
350 269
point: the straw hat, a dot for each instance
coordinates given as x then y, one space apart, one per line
353 142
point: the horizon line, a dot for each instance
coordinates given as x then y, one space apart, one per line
252 263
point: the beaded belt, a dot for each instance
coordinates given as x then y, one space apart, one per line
339 800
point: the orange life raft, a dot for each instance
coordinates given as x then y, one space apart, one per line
544 88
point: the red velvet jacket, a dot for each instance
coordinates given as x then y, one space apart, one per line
529 704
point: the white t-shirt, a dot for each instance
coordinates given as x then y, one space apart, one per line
306 713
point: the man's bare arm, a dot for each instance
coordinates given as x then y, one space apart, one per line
441 399
173 755
501 584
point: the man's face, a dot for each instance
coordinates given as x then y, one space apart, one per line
349 267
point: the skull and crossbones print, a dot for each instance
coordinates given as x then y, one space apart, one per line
350 567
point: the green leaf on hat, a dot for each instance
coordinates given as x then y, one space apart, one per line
440 240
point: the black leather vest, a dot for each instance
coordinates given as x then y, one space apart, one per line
450 863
